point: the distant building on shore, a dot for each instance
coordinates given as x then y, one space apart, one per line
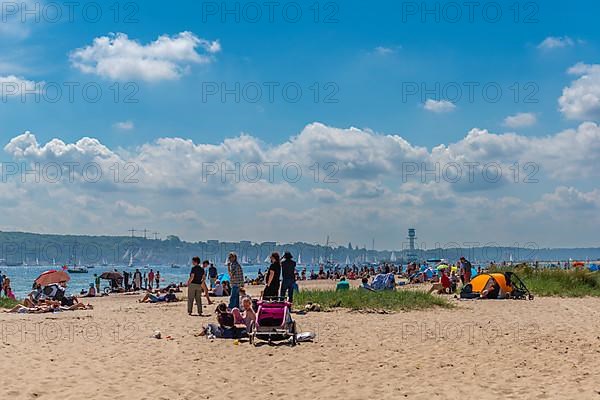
411 255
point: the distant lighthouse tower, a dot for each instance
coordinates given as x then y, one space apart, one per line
412 236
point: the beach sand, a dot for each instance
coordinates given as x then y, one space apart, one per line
548 348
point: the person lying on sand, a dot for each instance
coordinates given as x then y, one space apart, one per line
165 298
46 308
21 309
491 290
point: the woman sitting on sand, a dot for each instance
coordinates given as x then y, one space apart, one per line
444 286
226 328
217 291
246 317
34 297
226 288
91 291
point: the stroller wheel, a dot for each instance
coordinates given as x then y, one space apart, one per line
294 334
530 297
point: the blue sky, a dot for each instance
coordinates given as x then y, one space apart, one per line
370 84
366 59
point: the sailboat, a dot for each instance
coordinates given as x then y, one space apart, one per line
393 257
257 259
347 260
268 260
76 269
130 260
299 259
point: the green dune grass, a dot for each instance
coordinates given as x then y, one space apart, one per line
558 282
7 303
356 299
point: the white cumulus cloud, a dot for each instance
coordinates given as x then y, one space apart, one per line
581 100
12 86
556 42
118 57
439 106
520 120
124 125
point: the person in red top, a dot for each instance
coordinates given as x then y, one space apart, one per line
444 285
150 279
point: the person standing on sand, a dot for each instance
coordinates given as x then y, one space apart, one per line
97 282
236 276
273 276
137 280
465 267
288 269
1 282
150 279
212 275
157 279
126 280
6 284
196 285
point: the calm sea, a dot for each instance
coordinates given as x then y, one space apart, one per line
22 277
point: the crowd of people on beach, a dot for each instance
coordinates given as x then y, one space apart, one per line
49 298
280 281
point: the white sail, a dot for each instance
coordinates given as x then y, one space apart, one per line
347 260
299 259
268 259
257 259
320 260
139 252
126 255
393 257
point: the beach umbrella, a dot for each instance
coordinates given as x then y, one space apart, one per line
52 276
111 276
224 277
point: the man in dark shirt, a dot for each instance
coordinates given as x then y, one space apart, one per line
288 267
197 285
212 275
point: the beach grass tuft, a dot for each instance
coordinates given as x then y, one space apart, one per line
363 300
559 282
5 302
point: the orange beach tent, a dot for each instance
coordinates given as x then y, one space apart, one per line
481 281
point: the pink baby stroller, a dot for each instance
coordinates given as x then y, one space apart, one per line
273 322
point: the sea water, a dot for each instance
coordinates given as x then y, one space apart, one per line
22 278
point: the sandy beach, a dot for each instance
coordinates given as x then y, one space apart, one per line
542 349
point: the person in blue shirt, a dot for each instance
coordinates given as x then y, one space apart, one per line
342 284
